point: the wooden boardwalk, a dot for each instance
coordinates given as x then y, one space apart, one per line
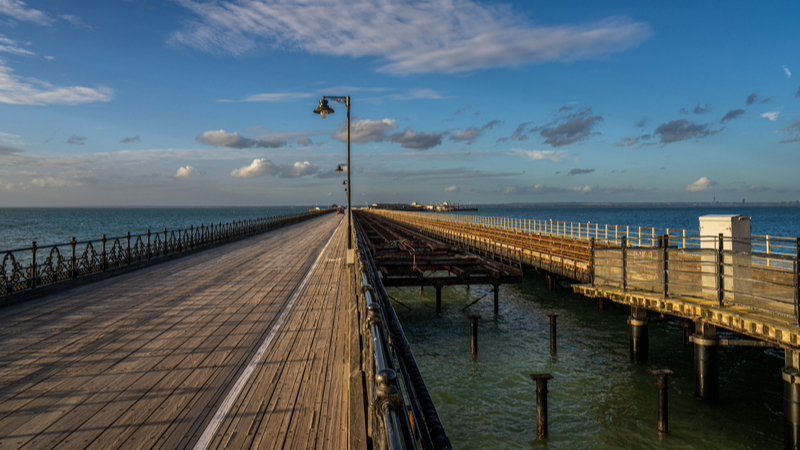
235 347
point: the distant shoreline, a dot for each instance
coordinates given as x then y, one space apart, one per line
795 204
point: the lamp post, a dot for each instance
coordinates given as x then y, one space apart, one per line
323 110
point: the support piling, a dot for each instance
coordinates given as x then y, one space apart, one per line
541 402
663 409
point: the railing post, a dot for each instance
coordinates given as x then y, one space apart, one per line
74 263
103 258
591 260
149 249
166 243
128 251
720 271
32 273
797 280
665 260
624 244
191 236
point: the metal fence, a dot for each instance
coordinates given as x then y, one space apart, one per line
401 414
26 269
768 282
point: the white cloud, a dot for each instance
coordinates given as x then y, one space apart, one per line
55 182
786 71
11 46
258 168
452 189
366 131
442 36
541 155
703 184
16 91
273 98
184 173
771 115
299 169
17 9
428 94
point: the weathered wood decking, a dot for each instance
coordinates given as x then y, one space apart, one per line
154 359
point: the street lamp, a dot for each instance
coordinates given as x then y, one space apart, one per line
323 110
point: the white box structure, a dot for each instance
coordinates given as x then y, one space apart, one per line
735 231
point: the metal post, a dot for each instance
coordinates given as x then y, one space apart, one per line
591 260
128 251
349 183
706 362
74 264
32 273
639 342
663 409
149 250
665 262
103 259
797 280
541 402
473 330
165 242
624 263
720 272
553 334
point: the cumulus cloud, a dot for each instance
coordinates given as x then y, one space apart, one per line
520 134
258 168
366 130
732 115
19 11
771 115
222 138
571 128
16 91
59 182
681 130
544 155
298 169
417 141
130 140
438 36
77 140
577 171
452 189
703 184
793 128
472 133
184 173
305 142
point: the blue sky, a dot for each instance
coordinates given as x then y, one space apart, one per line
196 103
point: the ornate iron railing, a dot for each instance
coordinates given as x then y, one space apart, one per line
27 269
401 414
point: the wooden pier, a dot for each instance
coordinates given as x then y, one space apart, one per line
241 346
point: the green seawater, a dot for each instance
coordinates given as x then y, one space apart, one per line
598 398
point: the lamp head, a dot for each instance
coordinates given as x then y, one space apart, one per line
323 109
344 183
339 169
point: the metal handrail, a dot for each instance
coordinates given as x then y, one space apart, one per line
26 269
398 385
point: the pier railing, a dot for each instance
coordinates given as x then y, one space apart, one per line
760 273
401 414
27 269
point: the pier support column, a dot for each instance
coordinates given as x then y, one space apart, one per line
603 303
438 299
706 362
640 338
496 299
688 331
791 400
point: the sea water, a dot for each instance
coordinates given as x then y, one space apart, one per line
598 399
